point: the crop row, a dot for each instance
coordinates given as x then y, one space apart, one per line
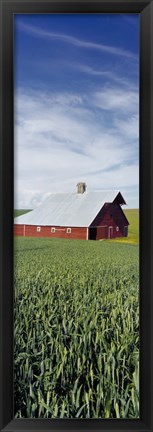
76 325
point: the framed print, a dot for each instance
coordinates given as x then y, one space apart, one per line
76 265
79 245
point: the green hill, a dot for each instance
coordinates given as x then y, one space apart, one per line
133 217
20 212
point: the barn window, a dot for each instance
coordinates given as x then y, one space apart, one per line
117 228
38 229
68 230
53 229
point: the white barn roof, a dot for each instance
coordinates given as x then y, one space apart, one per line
68 209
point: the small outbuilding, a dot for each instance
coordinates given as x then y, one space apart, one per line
81 215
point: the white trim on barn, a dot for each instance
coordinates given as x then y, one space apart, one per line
53 230
109 231
68 230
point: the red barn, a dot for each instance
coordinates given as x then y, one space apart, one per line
81 215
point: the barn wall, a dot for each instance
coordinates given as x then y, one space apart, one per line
31 231
102 233
19 230
111 215
98 233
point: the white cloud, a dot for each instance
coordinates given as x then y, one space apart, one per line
65 138
40 32
108 73
130 128
122 100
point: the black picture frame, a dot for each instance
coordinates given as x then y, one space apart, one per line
7 11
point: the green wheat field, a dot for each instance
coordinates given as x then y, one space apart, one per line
76 327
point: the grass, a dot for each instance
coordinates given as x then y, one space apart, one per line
76 326
133 217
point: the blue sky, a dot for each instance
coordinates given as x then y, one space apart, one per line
76 81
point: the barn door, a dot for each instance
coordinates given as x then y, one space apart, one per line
110 232
93 233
